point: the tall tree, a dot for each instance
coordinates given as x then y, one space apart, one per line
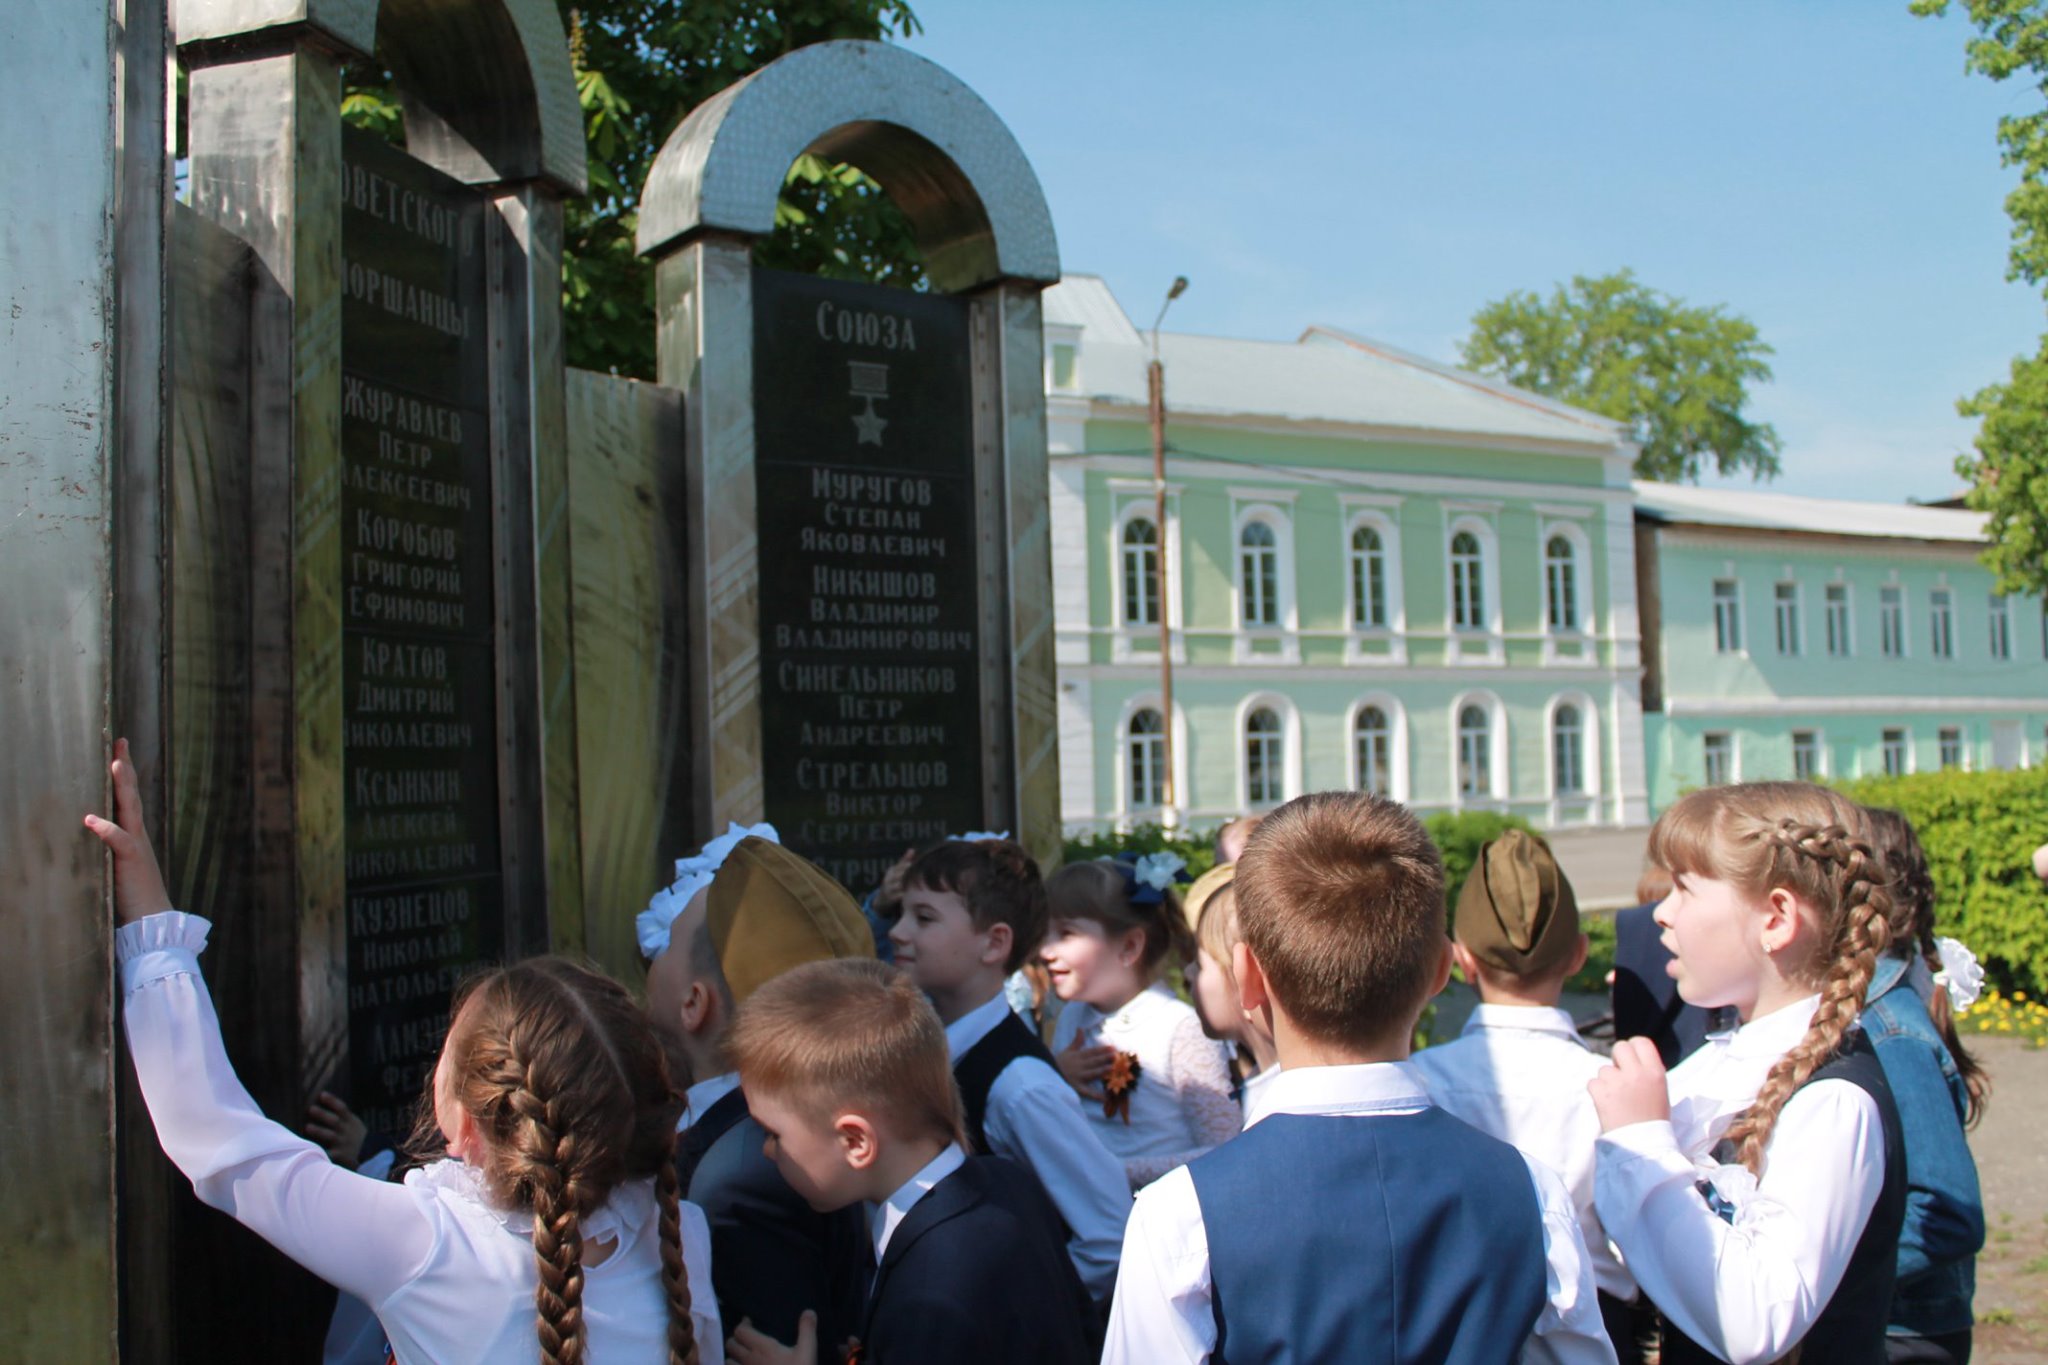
2008 473
1677 374
641 65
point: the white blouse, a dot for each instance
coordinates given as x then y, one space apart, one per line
1747 1289
1182 1106
450 1275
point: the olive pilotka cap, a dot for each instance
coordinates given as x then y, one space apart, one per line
771 910
1516 912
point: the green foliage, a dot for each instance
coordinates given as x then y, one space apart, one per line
1591 979
2008 474
1980 831
641 65
1458 837
1677 374
1197 850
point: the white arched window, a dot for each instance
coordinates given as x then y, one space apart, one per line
1368 579
1140 556
1468 583
1475 752
1145 759
1258 574
1561 583
1265 757
1568 751
1372 738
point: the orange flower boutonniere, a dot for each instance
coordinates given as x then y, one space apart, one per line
1117 1086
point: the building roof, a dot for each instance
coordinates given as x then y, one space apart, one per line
1752 509
1325 376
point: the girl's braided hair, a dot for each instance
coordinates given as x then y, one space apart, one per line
570 1091
1766 836
1913 931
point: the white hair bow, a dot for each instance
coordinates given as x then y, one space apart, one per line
1959 973
693 874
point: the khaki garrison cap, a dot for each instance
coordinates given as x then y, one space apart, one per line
1516 912
771 910
1197 897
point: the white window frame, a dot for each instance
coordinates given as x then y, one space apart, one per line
1903 639
1731 641
1962 745
1290 748
1820 754
1287 628
1389 642
1485 645
1792 644
1123 553
1574 646
1498 785
1848 649
1998 632
1397 743
1906 764
1941 622
1126 813
1734 751
1584 804
1140 643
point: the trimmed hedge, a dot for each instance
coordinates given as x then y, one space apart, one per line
1980 831
1198 850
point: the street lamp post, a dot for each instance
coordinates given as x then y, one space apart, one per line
1155 376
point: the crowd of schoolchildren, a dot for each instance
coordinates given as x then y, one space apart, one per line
969 1120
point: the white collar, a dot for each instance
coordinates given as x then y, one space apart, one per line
975 1025
1773 1034
1144 1000
1363 1088
699 1098
883 1217
1527 1018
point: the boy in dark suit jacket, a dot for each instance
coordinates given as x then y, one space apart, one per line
845 1066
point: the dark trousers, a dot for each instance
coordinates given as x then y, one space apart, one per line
1953 1349
1629 1323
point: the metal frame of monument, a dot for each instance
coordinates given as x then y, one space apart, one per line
982 224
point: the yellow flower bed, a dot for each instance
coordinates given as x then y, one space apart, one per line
2006 1016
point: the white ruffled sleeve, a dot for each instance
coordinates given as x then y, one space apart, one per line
1200 1080
361 1235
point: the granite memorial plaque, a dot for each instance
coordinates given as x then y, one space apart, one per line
419 729
870 696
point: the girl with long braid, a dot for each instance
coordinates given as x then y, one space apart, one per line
551 1231
1757 1191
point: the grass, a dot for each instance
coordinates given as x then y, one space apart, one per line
1996 1317
2037 1266
1995 1015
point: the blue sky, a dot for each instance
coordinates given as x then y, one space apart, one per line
1823 167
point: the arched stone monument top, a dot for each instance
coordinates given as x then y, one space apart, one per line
489 94
941 154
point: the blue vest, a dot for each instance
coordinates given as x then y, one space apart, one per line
1371 1238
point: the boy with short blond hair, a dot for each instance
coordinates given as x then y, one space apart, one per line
1352 1220
845 1065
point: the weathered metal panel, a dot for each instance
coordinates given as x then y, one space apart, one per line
57 446
628 511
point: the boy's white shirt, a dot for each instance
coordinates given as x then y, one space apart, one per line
1750 1290
885 1217
1162 1311
1034 1118
1519 1073
699 1098
450 1276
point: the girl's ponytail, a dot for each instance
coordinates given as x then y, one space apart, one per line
1861 928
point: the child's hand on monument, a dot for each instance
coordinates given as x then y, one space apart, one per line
332 1124
748 1345
1633 1089
138 882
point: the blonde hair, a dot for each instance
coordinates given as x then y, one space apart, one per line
854 1034
568 1085
1761 837
1217 931
1340 896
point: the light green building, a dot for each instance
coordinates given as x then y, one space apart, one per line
1797 637
1379 572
